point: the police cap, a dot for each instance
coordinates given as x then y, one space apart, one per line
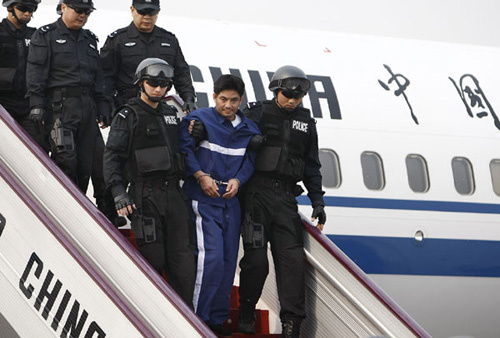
85 4
146 4
153 68
290 78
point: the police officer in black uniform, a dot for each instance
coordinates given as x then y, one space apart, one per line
143 149
15 38
128 46
287 155
66 89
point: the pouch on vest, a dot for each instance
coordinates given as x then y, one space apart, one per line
268 158
152 159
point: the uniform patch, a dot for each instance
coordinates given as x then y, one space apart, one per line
300 126
130 44
27 42
170 120
165 44
92 46
61 41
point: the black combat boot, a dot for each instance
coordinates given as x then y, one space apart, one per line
246 319
290 328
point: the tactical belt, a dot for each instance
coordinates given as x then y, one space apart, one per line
276 183
70 91
171 181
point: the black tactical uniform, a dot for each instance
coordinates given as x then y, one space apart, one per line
142 148
288 155
65 78
127 47
14 45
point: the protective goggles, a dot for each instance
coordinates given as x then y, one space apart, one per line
294 84
158 82
26 8
159 70
146 11
78 10
290 94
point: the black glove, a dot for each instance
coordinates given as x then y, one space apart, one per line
121 201
37 115
256 142
189 105
105 118
199 131
319 213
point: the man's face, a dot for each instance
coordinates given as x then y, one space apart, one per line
72 19
144 23
289 103
227 103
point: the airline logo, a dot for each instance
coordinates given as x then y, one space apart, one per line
50 293
322 90
3 221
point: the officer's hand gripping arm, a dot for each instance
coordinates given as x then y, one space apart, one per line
189 105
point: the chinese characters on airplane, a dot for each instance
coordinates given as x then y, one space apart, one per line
401 88
474 98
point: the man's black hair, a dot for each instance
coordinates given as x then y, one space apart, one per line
229 82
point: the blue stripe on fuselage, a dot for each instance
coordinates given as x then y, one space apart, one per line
377 203
434 257
406 256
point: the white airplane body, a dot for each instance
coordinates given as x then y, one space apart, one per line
435 252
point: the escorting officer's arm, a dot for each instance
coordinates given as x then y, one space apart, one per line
110 61
37 71
313 180
115 158
101 95
182 78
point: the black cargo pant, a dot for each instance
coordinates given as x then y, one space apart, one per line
165 205
77 114
272 203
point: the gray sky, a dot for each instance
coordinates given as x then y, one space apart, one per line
470 22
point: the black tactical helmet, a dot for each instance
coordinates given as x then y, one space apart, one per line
290 78
85 4
7 3
153 68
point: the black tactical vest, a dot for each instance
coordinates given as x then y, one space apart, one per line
288 135
155 149
13 56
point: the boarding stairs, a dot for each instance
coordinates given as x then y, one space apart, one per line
48 219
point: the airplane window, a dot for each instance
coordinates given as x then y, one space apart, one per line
330 168
418 174
495 175
373 170
463 175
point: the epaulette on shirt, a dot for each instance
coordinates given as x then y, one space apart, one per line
124 111
253 111
47 28
116 32
93 35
